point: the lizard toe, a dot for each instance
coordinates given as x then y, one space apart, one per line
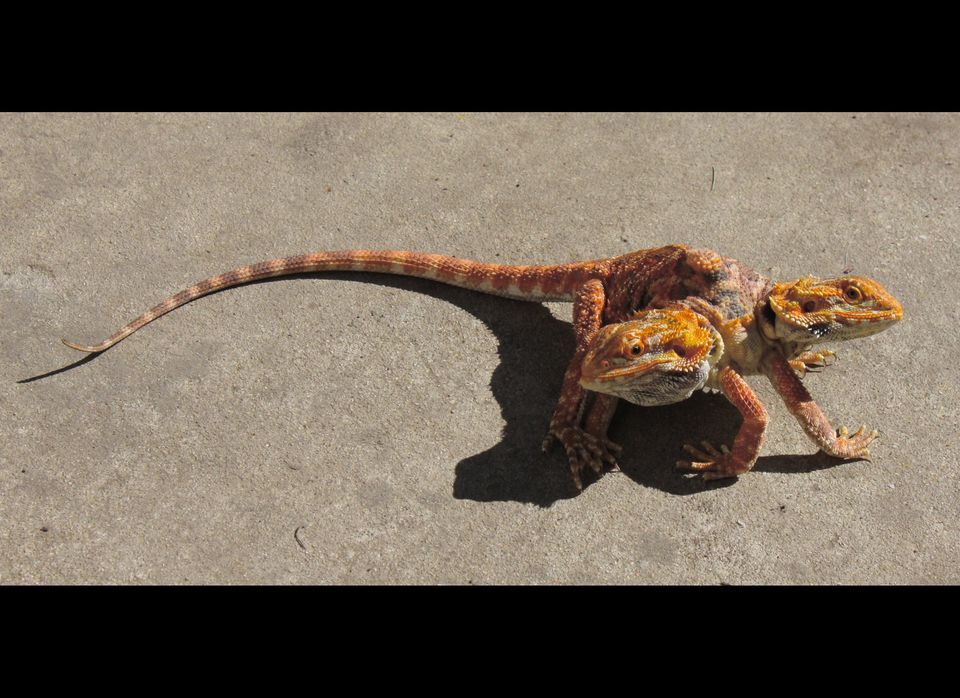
585 450
852 446
707 455
712 463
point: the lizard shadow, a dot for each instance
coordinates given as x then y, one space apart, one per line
533 349
652 440
798 464
87 358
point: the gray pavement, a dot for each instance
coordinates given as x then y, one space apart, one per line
357 429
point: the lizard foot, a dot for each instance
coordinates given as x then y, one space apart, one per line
583 450
854 445
714 464
813 361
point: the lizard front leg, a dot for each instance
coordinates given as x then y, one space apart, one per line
582 449
597 422
599 416
746 446
839 443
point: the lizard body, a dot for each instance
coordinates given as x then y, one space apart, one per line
603 291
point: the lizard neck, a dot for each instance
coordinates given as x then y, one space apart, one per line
766 321
743 343
718 359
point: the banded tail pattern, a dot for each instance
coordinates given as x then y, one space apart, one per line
534 283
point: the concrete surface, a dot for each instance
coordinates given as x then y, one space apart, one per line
358 429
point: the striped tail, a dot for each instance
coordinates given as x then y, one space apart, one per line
534 283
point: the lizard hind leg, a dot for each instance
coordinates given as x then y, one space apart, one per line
598 419
590 446
583 449
586 450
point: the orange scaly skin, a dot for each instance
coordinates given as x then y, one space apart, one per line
773 340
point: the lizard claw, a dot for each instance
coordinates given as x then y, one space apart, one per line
813 361
548 442
713 463
849 446
709 452
583 449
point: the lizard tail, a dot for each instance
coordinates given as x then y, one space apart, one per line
535 283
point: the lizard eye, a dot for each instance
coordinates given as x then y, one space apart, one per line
809 306
636 349
853 294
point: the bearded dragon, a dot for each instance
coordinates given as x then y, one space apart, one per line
603 291
663 356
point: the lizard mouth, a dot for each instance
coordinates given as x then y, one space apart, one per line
777 323
768 320
768 313
819 330
670 388
591 376
652 387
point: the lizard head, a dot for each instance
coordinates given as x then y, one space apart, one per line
657 358
810 310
